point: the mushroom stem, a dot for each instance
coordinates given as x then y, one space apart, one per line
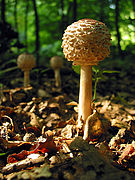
57 78
26 78
85 94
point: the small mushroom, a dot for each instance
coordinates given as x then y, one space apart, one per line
56 63
86 42
26 62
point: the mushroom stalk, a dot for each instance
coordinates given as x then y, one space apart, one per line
57 77
56 63
85 94
26 78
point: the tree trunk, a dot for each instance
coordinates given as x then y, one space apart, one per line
69 21
37 31
102 13
26 21
74 10
117 26
62 17
16 24
133 3
15 15
65 19
3 9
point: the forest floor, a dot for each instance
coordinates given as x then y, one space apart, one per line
38 131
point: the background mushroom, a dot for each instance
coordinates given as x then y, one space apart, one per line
26 62
86 42
56 63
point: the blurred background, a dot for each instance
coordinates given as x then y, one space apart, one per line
37 27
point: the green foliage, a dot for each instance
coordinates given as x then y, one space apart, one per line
98 74
3 154
1 85
76 69
55 17
50 20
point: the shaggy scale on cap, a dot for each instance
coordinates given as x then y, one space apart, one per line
86 42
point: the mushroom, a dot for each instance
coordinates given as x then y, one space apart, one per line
86 42
56 63
26 62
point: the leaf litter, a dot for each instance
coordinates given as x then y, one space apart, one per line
39 136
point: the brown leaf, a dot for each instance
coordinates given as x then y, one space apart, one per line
105 105
34 120
67 132
34 130
17 157
129 149
5 111
72 103
38 147
52 119
116 140
130 111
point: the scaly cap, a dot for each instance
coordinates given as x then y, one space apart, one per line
86 42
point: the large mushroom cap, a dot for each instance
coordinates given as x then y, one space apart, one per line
56 62
86 42
26 61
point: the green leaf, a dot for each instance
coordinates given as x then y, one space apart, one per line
111 72
95 69
3 154
76 69
1 73
1 85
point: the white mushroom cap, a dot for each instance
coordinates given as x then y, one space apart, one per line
56 62
26 61
86 42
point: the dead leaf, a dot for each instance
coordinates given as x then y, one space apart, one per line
54 105
105 105
72 103
51 119
34 120
129 149
116 140
32 129
39 147
130 111
22 164
5 111
67 132
17 157
29 137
